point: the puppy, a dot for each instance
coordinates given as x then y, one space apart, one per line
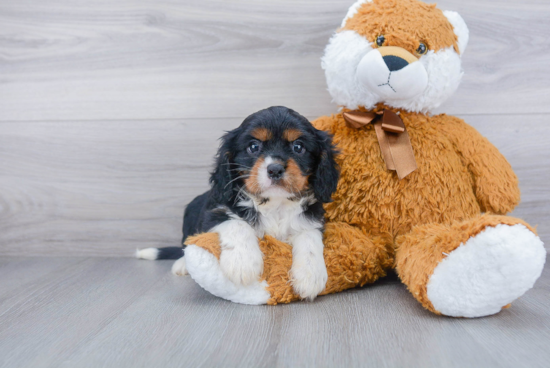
272 175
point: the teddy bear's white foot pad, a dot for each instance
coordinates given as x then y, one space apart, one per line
489 271
178 268
205 269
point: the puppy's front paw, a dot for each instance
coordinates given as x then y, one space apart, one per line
242 266
308 276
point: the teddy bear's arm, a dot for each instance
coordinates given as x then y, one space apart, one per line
495 183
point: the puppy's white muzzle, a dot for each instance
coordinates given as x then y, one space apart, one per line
389 81
268 187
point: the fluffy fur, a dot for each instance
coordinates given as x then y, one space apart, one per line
443 227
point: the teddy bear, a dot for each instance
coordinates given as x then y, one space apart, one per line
423 194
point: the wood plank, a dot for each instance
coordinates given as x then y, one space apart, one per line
530 316
19 274
54 314
339 330
106 188
130 313
171 59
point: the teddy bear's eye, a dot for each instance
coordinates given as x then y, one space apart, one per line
380 40
422 48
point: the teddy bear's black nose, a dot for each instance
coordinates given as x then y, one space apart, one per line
395 63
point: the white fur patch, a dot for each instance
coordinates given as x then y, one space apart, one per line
347 49
205 269
489 271
147 253
308 272
343 54
241 259
178 268
280 216
263 180
460 29
282 219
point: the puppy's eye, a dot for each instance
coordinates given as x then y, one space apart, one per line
422 49
254 147
380 40
298 147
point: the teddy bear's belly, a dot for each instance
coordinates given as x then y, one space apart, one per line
373 198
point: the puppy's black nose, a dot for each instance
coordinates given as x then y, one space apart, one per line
275 171
395 63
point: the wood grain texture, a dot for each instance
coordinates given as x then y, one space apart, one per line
108 312
171 59
106 188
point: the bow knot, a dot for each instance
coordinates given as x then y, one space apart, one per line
393 138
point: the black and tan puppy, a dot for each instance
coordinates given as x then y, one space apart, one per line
273 174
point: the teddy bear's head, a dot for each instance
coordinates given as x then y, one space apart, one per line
402 53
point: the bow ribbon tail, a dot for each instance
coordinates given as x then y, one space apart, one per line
402 153
384 146
399 146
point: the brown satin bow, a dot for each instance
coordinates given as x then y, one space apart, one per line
392 137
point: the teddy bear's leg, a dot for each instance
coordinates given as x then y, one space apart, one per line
352 257
202 258
471 268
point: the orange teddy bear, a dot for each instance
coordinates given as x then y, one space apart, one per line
426 195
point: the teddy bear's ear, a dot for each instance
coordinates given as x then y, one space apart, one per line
460 28
353 9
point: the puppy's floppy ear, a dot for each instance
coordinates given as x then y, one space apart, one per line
324 179
222 176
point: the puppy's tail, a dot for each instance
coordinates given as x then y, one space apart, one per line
153 254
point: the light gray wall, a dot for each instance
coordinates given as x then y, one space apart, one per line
110 110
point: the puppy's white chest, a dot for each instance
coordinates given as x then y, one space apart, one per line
281 218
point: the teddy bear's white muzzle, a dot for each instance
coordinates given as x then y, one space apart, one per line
391 78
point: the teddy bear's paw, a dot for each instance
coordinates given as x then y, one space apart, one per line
205 269
308 276
178 268
488 272
242 265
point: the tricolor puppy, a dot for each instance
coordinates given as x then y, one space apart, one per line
273 174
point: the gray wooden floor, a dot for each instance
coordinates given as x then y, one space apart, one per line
109 116
115 312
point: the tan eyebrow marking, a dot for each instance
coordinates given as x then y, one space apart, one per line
263 134
291 134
